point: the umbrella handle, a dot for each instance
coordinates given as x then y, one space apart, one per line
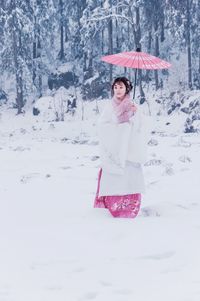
135 83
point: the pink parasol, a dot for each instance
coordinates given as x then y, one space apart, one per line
137 60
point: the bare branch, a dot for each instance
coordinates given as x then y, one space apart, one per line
100 18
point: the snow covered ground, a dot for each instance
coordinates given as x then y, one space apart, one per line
55 246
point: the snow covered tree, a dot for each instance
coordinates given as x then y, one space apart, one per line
44 37
17 33
182 16
154 23
44 20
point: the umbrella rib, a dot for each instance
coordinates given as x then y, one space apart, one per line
144 63
151 65
114 60
134 57
126 62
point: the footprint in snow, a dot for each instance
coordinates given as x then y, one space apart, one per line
153 162
79 270
89 296
26 178
54 288
94 158
148 211
105 283
153 142
65 167
123 291
94 142
160 256
21 149
185 159
169 171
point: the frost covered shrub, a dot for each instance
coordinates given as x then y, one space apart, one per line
55 106
66 79
3 97
95 87
193 110
188 104
175 101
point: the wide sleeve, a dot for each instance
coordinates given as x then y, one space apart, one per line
140 135
113 142
107 115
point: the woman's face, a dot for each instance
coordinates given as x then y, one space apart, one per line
119 90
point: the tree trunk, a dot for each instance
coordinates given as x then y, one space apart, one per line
66 32
84 61
156 53
128 33
138 45
40 84
189 46
90 63
137 25
162 34
39 50
61 31
132 18
18 75
102 34
147 76
37 76
117 28
18 67
102 41
34 52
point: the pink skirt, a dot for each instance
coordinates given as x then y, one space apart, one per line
120 205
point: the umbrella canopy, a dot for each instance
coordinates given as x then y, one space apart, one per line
136 60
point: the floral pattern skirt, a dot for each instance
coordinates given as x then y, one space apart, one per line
126 206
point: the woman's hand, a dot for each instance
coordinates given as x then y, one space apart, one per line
133 108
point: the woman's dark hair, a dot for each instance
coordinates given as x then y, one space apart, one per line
125 81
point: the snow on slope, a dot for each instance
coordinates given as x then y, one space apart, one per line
55 246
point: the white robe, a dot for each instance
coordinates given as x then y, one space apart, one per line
122 151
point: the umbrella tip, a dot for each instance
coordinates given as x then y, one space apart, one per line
138 49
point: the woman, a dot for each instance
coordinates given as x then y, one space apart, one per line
122 151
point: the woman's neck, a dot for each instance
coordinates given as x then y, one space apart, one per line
120 99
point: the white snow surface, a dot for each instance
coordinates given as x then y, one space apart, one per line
56 246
